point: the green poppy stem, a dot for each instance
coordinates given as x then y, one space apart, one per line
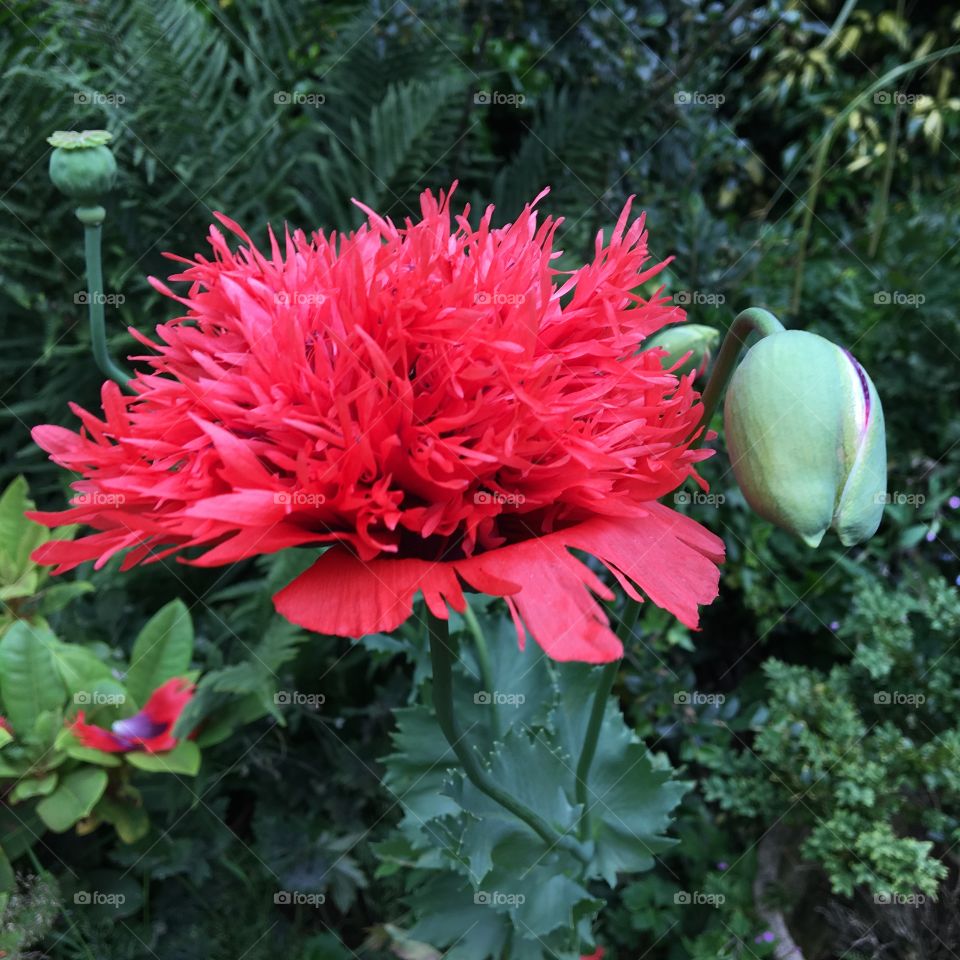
751 320
592 736
441 657
92 218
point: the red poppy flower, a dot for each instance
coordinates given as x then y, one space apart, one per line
438 402
151 729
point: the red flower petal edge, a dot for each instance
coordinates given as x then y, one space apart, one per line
669 557
150 730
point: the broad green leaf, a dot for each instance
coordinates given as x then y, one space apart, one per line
161 651
80 668
5 737
183 758
33 787
74 798
19 537
29 680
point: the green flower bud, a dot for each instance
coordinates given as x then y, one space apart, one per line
81 165
688 338
804 429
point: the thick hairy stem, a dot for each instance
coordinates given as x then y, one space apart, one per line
441 657
752 320
92 218
592 737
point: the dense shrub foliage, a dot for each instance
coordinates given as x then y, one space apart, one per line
811 728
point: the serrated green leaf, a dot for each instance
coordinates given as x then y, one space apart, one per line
75 797
161 651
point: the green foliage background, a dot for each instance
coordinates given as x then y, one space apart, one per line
281 111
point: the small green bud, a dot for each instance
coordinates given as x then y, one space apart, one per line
804 428
81 165
688 338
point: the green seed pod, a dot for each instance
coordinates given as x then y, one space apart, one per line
804 429
81 165
687 338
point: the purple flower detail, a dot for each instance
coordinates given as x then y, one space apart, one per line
137 727
954 503
834 625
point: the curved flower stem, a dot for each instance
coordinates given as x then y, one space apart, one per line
486 669
592 736
92 218
441 657
751 320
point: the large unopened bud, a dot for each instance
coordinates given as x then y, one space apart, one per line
694 339
81 165
804 429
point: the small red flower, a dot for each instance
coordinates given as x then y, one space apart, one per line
438 402
597 954
5 725
151 729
